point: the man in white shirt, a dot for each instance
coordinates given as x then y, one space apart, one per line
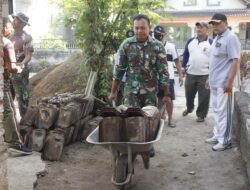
196 64
223 68
172 57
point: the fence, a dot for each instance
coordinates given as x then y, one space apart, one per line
56 44
245 44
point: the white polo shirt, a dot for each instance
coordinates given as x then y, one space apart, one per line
171 56
224 49
198 57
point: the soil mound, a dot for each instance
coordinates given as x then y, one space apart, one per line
55 79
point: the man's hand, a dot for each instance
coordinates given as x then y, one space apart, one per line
183 72
165 99
112 96
14 68
19 64
228 88
207 85
181 80
19 69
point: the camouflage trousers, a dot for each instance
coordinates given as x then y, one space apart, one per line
20 82
11 127
141 100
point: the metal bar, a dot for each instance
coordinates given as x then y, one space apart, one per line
114 155
130 161
91 84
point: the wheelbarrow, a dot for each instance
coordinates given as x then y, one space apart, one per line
124 155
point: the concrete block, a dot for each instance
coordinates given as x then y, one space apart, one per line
246 152
241 126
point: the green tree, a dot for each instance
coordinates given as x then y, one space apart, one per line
100 27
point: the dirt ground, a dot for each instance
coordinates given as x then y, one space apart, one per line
182 162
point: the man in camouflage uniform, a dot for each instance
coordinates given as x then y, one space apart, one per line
12 134
23 50
144 61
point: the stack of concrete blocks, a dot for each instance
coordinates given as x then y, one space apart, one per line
58 121
3 150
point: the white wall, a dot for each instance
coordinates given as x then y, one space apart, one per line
202 5
5 8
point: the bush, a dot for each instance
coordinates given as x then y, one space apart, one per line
244 64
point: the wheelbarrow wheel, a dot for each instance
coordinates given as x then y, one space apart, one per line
121 169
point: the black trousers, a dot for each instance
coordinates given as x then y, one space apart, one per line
194 84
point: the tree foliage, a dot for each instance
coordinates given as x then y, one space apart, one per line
100 26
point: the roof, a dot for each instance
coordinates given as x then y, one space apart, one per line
209 13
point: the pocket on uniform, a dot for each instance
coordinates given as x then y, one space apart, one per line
220 51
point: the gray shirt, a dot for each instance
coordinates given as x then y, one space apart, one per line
225 48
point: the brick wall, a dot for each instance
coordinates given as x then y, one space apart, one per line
3 150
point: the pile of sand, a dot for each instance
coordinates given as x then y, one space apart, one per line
55 79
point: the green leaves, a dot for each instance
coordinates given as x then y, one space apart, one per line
100 27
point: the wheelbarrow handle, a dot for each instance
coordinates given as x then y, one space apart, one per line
113 104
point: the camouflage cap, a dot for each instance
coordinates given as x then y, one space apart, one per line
22 17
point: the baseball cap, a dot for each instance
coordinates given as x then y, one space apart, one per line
218 17
22 17
202 24
159 29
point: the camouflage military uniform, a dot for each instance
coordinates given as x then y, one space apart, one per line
144 65
20 81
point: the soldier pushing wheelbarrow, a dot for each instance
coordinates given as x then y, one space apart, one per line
143 60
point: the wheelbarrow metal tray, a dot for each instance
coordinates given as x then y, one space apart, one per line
93 138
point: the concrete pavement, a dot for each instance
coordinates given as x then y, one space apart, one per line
22 170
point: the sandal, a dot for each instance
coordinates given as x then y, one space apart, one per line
185 113
171 124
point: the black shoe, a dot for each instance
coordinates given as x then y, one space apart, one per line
186 112
22 150
200 119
